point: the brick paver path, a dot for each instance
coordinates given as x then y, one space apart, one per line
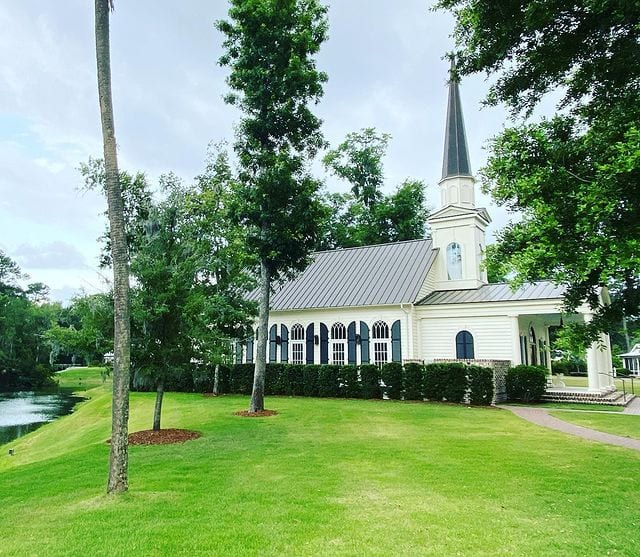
540 416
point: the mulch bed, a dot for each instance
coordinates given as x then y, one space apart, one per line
162 437
260 414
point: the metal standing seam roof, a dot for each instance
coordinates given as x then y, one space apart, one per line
364 276
501 292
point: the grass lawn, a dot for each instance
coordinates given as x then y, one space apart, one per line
627 425
81 379
323 477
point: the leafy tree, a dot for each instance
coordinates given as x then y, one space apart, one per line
366 216
573 177
270 47
118 481
25 315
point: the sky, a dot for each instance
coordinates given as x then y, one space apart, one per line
385 66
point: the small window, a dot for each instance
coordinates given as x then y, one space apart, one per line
464 346
338 340
297 344
454 261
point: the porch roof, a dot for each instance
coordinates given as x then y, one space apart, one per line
500 292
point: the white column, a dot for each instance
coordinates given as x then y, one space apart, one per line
547 347
592 362
606 381
515 332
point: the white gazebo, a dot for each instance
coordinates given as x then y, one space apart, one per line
631 361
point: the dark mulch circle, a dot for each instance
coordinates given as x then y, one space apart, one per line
162 437
260 414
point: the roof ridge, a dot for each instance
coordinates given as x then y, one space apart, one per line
374 245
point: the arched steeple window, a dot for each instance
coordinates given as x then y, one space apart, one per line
454 261
297 344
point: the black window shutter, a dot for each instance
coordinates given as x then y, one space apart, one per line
310 344
284 346
364 342
351 343
396 342
324 344
250 350
273 347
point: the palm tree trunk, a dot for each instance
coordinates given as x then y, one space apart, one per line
119 452
157 411
257 395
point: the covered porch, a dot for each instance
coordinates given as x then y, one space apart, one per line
535 349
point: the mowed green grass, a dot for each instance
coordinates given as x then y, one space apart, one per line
323 477
627 425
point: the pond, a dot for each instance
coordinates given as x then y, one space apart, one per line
25 411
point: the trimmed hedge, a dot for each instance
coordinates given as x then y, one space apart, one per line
392 378
480 385
413 381
445 381
448 381
526 383
370 381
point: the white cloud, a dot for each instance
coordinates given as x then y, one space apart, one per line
54 255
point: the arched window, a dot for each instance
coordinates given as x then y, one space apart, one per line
381 340
464 346
338 341
297 344
454 261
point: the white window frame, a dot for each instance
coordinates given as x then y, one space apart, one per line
297 344
338 344
381 341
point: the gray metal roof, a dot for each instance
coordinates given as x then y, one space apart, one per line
456 155
365 276
501 292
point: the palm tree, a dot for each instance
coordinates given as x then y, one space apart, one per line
119 452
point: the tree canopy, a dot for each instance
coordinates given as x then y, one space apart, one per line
574 177
365 215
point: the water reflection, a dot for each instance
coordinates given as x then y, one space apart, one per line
23 412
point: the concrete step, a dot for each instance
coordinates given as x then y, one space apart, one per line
616 398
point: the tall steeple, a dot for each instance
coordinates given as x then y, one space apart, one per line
458 227
457 183
456 155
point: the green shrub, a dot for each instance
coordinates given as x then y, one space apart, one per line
310 378
526 383
329 381
569 367
445 381
241 379
350 385
392 378
370 381
413 381
480 382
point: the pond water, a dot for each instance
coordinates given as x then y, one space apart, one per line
24 411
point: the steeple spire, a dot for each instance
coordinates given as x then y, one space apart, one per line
456 156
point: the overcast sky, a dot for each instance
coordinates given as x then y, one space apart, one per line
386 70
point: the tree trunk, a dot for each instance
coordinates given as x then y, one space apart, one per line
157 411
119 452
257 395
625 330
216 380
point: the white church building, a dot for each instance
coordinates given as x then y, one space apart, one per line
422 300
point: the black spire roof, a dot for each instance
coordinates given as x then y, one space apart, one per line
456 155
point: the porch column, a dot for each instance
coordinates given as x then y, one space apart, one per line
515 332
592 362
547 348
606 381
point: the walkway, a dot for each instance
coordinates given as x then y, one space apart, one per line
540 416
633 407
